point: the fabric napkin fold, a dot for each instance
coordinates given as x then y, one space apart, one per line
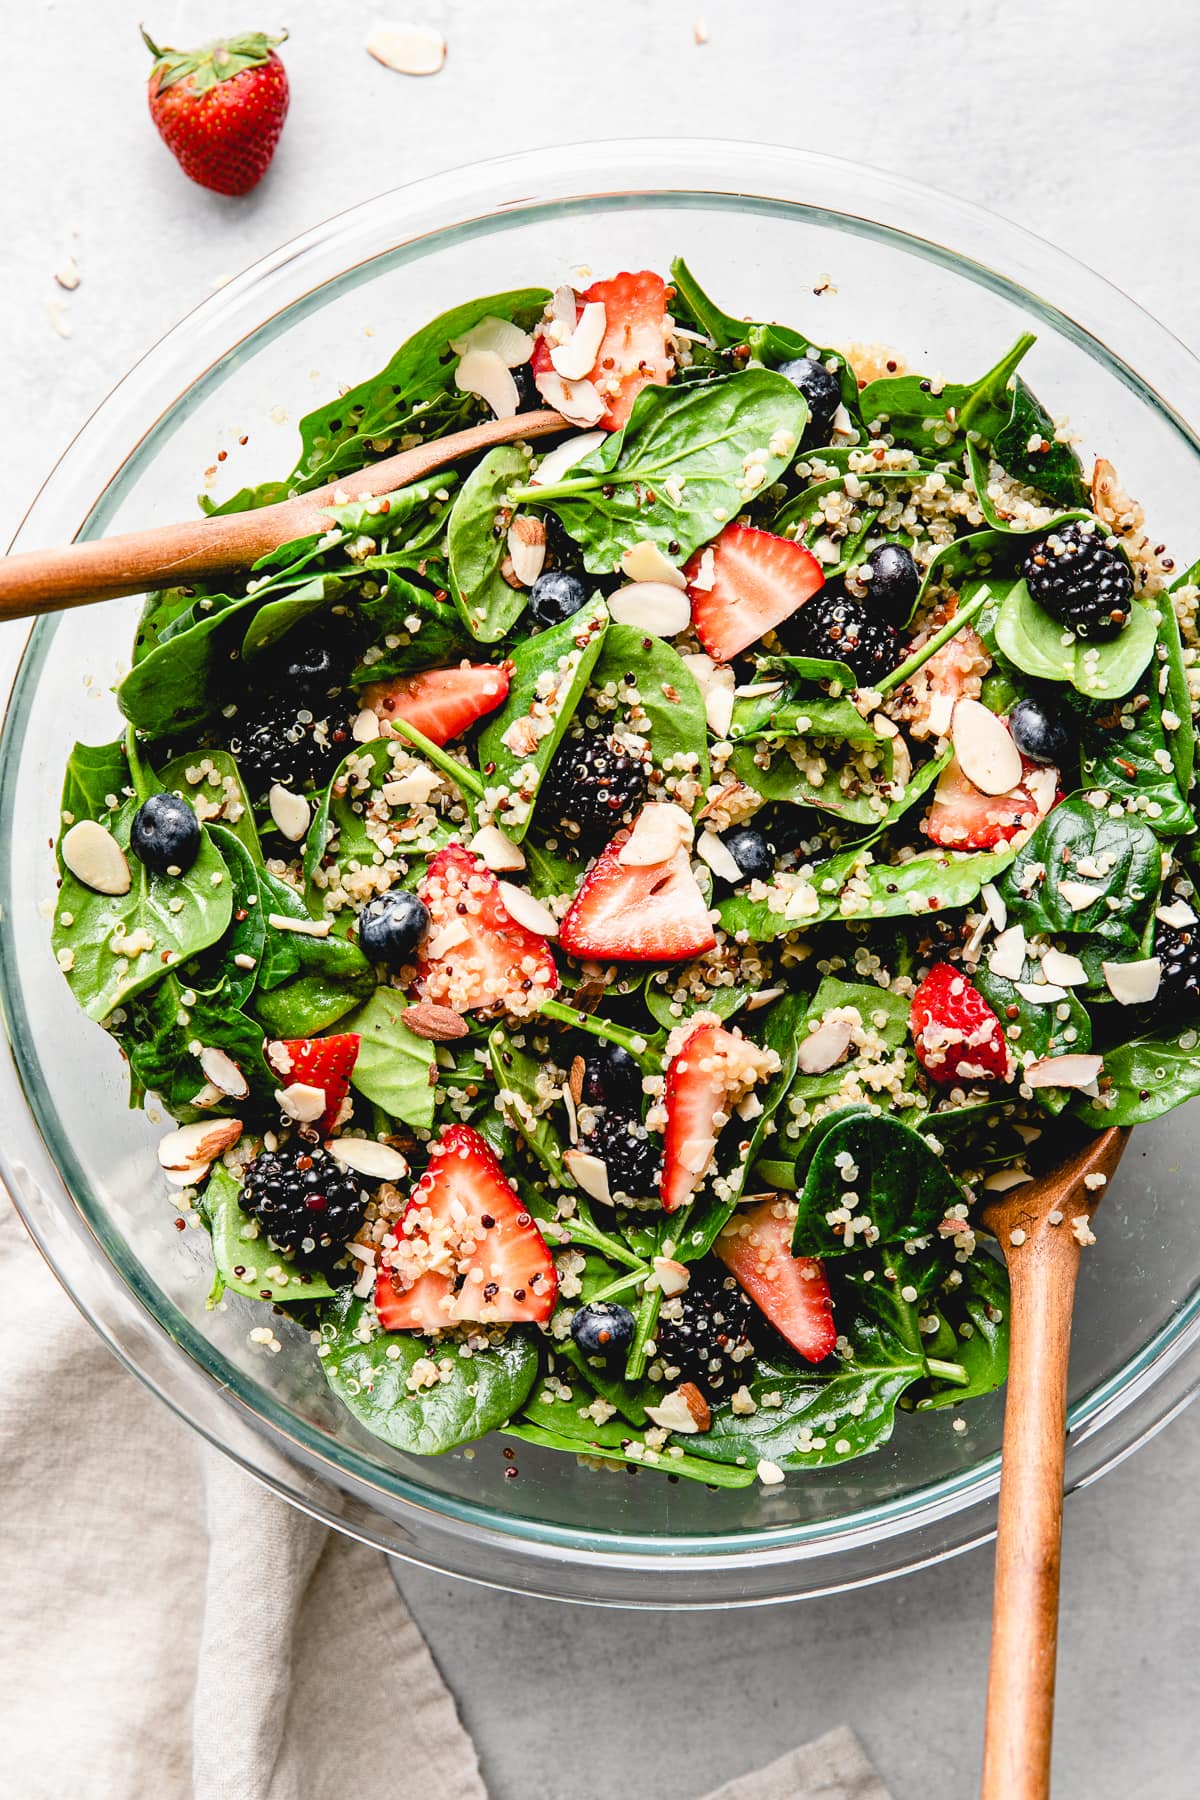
171 1628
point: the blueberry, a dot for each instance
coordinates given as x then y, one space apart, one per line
555 595
1037 735
602 1329
612 1078
528 398
822 390
391 926
895 582
165 834
750 851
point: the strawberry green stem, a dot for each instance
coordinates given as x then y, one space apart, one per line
920 657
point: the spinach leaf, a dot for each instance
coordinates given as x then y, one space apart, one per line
619 1443
880 1010
305 983
1037 1030
893 1180
1149 1076
478 1393
787 714
216 971
340 821
669 710
1178 693
549 874
665 991
516 1081
487 605
273 620
162 1038
395 1069
1128 752
1055 469
974 1333
695 443
1125 896
211 782
1040 646
246 1263
427 630
566 654
907 407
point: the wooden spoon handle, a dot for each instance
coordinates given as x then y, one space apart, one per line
1020 1700
40 581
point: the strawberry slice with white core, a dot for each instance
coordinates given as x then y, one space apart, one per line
633 351
756 1248
467 1250
964 818
324 1064
441 703
713 1072
475 954
745 584
638 912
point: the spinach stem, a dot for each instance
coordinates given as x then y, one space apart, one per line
619 1287
580 1232
948 1371
950 629
465 778
633 1041
647 1319
558 490
142 785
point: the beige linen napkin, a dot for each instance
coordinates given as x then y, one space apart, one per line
168 1627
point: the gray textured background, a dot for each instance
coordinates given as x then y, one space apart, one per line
1081 123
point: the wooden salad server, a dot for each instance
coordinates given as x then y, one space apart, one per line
40 581
1035 1227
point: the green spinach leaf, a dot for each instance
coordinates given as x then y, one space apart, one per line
1040 646
395 1068
1125 894
246 1263
669 709
893 1180
488 606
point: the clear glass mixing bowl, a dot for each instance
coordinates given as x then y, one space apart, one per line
764 228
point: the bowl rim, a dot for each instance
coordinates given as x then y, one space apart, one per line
474 198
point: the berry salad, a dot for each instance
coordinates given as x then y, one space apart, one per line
600 916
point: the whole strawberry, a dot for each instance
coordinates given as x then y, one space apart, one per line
220 110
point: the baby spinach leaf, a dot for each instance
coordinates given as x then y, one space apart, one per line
549 874
173 687
1042 648
810 668
1178 693
395 1068
807 773
1054 470
691 442
907 407
1128 752
211 782
488 606
620 1443
217 971
305 983
880 1010
516 1076
893 1179
163 1035
1076 831
480 1392
662 994
788 714
669 711
273 620
1033 1029
974 1333
246 1263
1148 1076
565 655
427 629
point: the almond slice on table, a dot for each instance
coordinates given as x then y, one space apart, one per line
487 375
983 745
408 49
95 858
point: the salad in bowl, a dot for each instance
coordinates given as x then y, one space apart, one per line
599 916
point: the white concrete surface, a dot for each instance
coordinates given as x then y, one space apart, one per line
1080 122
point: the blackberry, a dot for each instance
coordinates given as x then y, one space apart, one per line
290 739
1177 948
1081 581
305 1202
603 1329
631 1156
823 391
165 834
593 788
833 625
706 1333
612 1078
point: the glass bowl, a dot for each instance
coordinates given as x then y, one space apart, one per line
848 255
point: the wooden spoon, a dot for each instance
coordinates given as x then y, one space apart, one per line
1033 1224
39 581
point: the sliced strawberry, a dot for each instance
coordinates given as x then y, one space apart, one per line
963 818
713 1072
325 1062
638 913
792 1291
955 672
475 954
467 1250
753 582
633 351
957 1036
442 703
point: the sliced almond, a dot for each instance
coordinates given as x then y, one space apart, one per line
575 1080
764 997
223 1072
706 571
483 373
564 306
590 1173
527 911
994 905
1133 983
512 345
825 1047
1006 958
448 938
646 562
1040 993
366 1156
1061 968
660 830
413 788
1178 914
983 745
673 1277
191 1148
1004 1179
553 467
578 401
719 857
575 359
496 851
1042 786
408 49
1071 1071
301 1101
683 1410
94 857
527 548
437 1024
366 727
68 275
1078 895
652 606
291 811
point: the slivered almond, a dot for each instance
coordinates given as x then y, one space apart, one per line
575 358
718 857
983 745
484 373
527 548
660 829
439 1024
825 1047
1078 895
590 1173
301 1101
554 466
1072 1071
527 911
408 49
673 1277
95 858
497 851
